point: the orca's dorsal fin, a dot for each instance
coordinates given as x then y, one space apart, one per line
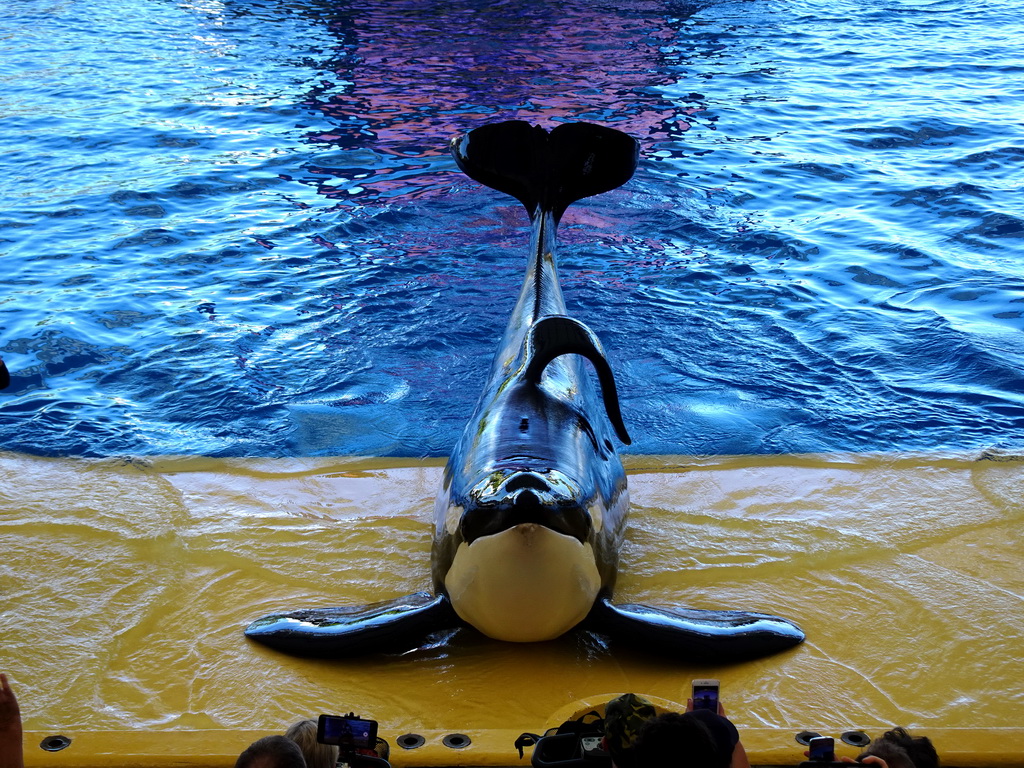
547 171
557 335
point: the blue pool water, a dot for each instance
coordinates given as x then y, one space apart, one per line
231 227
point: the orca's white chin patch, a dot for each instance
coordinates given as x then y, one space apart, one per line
523 585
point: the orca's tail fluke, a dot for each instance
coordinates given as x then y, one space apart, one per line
547 171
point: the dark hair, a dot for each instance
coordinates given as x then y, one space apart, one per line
901 750
272 752
674 740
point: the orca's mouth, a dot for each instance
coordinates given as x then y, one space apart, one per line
547 499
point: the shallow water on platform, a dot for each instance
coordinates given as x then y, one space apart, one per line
232 228
903 570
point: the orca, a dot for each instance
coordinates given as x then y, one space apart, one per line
531 514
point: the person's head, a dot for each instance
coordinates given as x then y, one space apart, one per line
271 752
678 740
317 755
901 750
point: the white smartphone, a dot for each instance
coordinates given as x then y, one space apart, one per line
705 695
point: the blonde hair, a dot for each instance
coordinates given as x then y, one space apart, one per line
317 755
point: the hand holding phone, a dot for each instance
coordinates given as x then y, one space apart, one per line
348 732
705 695
822 749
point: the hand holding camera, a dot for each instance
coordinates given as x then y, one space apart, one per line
355 737
821 754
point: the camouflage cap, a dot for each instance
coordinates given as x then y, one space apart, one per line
623 718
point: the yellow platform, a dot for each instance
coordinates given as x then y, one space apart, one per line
126 585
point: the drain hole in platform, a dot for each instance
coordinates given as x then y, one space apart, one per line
855 738
410 741
55 743
457 740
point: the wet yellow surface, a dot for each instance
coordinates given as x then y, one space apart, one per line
126 586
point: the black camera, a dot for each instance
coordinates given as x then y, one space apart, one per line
570 750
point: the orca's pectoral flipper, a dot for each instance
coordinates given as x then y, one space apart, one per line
547 171
5 377
398 624
690 634
556 335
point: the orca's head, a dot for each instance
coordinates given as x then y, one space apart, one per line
511 496
525 563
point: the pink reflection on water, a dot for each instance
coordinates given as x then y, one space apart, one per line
410 75
418 75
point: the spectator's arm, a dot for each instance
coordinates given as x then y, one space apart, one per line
11 754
